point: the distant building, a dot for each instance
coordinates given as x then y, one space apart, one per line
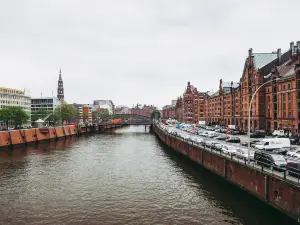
105 104
60 88
84 112
144 110
169 111
47 103
122 110
14 97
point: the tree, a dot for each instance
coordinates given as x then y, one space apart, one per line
64 112
155 114
85 116
101 113
15 114
41 113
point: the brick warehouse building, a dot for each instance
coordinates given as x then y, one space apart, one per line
275 105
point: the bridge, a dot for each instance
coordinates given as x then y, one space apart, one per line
125 119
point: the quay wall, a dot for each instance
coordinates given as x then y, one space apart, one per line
24 136
281 194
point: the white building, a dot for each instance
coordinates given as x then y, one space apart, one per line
105 104
14 97
47 103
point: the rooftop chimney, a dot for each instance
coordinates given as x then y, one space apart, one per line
279 55
295 49
298 44
292 47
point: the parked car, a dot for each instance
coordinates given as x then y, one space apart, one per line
281 151
212 134
278 133
257 134
252 142
233 140
295 139
242 153
204 134
269 144
270 160
221 137
199 132
210 143
292 151
218 146
230 150
293 168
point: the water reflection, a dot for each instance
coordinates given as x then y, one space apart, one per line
126 177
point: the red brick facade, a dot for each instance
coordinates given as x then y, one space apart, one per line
275 105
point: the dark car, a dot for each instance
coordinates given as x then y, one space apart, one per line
281 151
295 140
257 134
293 168
270 160
252 143
233 140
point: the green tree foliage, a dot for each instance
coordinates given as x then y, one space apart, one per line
155 114
64 112
101 114
85 116
40 114
15 114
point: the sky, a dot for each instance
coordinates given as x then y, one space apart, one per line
136 51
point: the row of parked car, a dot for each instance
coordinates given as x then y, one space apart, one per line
278 159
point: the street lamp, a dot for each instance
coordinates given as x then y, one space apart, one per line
249 118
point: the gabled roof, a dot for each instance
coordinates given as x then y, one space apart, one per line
262 59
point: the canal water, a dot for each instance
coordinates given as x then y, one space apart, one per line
126 177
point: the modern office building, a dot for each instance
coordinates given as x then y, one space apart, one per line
46 103
14 97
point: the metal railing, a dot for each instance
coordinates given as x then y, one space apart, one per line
290 174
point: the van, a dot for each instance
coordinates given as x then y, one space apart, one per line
278 133
269 144
270 160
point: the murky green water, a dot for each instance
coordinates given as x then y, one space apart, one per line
124 178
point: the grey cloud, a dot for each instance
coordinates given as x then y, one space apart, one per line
136 51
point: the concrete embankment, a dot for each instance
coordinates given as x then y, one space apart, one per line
274 191
21 137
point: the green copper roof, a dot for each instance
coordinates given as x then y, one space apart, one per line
262 59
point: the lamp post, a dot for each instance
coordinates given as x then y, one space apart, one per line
249 118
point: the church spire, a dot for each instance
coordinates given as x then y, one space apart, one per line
60 74
60 88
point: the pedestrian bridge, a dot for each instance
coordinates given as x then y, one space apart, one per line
125 119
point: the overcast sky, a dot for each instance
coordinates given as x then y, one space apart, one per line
141 51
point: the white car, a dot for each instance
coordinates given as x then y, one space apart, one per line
292 152
230 150
242 153
297 154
